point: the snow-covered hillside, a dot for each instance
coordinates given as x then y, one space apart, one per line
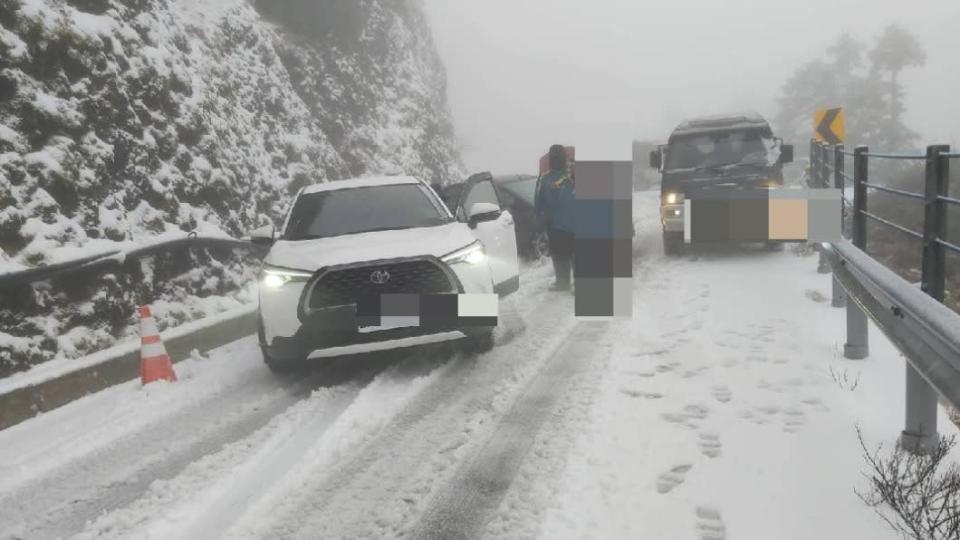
125 121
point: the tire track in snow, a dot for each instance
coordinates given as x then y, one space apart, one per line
210 494
61 503
476 490
379 489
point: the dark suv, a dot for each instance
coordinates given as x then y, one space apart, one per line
725 152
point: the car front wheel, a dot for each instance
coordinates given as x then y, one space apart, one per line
275 364
672 243
477 343
280 365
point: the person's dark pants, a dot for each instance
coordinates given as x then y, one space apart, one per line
561 245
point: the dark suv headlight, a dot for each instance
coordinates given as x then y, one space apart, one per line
673 197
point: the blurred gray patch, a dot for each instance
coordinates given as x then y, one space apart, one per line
623 297
594 297
824 215
594 180
607 180
400 305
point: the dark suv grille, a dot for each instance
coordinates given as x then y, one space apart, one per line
342 287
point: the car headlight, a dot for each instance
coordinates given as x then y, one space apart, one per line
673 198
472 254
272 277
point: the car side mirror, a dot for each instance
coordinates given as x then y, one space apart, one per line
786 153
656 159
481 212
263 237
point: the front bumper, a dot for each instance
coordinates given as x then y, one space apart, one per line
336 328
671 217
290 332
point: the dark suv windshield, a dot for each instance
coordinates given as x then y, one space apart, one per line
356 210
717 149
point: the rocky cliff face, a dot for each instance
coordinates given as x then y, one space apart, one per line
124 122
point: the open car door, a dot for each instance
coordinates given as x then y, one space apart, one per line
498 236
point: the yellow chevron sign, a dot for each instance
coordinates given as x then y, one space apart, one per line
829 126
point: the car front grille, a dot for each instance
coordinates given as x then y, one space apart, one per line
346 286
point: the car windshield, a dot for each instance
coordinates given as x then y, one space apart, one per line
708 150
366 209
522 189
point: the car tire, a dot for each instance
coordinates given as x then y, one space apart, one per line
478 343
280 365
276 365
672 243
773 246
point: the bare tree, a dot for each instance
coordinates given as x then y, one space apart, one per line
896 49
921 491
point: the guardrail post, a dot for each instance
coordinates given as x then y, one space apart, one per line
823 265
920 432
839 298
856 347
935 222
813 165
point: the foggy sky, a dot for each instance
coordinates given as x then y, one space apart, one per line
518 69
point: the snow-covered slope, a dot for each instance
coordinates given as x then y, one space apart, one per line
122 121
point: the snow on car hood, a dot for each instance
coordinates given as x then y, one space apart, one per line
353 248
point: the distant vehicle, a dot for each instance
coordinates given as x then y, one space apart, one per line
346 239
515 193
730 152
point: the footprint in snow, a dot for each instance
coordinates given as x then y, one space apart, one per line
748 414
650 352
721 393
769 409
689 417
667 368
690 373
644 374
815 403
640 393
710 524
793 421
669 480
709 444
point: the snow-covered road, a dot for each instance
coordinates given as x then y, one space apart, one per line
723 409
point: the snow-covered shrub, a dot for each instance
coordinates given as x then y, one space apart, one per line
917 495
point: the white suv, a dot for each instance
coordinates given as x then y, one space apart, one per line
388 235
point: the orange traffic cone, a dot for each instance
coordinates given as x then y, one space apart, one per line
155 364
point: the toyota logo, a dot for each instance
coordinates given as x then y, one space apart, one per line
379 277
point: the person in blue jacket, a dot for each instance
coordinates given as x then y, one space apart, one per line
554 202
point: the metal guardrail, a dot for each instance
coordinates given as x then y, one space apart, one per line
915 320
924 330
121 364
112 260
